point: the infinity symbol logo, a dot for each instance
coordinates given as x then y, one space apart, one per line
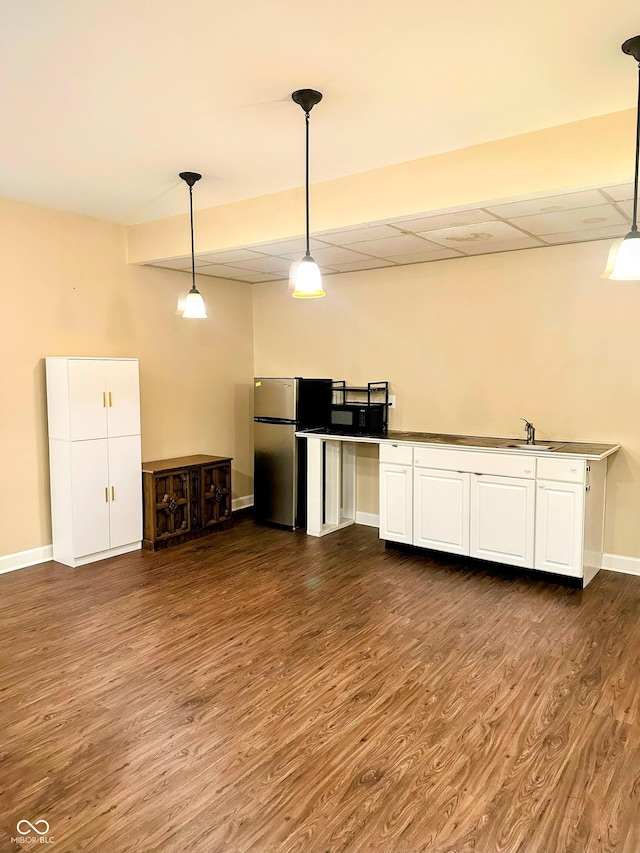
20 827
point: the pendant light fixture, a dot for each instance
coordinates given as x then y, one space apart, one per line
305 274
191 306
623 263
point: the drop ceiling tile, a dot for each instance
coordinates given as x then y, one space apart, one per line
226 271
287 247
582 219
626 207
259 277
364 264
485 233
501 246
444 220
547 204
331 255
265 264
607 232
228 256
344 237
402 244
621 192
424 257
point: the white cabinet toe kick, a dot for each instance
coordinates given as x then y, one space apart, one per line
542 512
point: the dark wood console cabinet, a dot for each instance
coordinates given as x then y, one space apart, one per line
185 498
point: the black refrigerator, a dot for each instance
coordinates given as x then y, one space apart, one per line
281 408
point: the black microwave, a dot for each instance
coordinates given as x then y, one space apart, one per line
358 418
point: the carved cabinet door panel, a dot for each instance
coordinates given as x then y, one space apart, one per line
172 504
216 486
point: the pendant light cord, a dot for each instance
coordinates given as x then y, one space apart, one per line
634 224
193 250
308 254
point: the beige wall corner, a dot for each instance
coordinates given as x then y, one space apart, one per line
83 299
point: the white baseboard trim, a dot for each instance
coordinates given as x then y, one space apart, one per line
33 556
241 503
370 519
618 563
22 559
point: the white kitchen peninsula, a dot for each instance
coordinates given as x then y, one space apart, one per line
537 507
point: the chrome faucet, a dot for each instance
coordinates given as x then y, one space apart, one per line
530 431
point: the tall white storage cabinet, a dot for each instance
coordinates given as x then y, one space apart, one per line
95 457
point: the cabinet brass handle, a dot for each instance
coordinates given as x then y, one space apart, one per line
113 493
104 399
106 494
110 400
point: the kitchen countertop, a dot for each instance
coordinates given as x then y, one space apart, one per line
586 450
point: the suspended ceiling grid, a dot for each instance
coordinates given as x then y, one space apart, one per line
574 217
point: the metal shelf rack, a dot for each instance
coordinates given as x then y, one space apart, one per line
377 395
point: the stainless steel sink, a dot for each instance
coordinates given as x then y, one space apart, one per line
537 445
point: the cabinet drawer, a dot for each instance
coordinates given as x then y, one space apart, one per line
567 470
502 465
397 454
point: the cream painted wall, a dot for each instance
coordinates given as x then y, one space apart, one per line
470 345
67 290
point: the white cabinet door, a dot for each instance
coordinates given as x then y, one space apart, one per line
502 519
559 527
441 510
396 502
125 490
123 397
87 399
90 496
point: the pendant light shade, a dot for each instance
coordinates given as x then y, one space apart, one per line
305 274
307 279
623 263
191 306
194 306
626 266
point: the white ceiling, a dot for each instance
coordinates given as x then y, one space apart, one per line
103 102
594 214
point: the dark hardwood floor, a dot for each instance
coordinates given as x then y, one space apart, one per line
266 691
